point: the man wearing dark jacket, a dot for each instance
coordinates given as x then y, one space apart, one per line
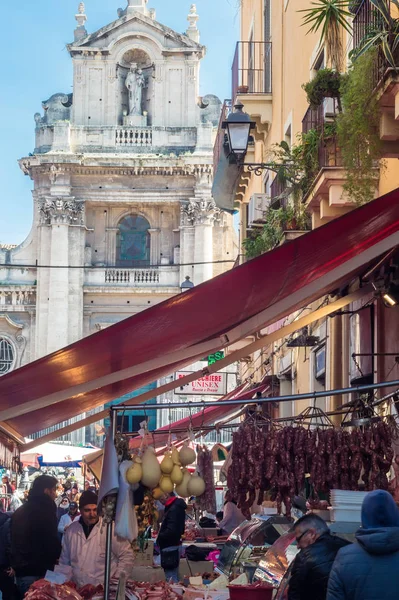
312 566
7 585
369 569
169 536
35 545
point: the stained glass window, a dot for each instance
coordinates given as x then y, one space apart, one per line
133 242
6 356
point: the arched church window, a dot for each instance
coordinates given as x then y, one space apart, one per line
6 356
133 242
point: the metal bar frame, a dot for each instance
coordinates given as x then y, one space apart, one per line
307 396
108 541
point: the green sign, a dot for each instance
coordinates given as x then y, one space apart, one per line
212 358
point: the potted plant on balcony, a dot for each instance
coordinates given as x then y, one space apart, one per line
325 84
382 33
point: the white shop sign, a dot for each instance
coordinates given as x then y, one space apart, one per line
210 385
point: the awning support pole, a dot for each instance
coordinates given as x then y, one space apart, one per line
108 541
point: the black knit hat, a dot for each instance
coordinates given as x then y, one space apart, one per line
86 498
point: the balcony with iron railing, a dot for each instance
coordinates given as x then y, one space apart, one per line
252 81
385 77
365 19
252 68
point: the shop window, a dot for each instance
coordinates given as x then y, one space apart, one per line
133 242
6 356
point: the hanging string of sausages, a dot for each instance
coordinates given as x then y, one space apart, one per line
266 460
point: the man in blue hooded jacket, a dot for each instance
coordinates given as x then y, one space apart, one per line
369 569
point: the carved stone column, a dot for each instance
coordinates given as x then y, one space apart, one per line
65 295
201 213
155 258
110 251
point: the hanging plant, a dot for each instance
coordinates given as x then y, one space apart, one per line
325 84
358 130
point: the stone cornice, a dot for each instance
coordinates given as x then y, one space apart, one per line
130 167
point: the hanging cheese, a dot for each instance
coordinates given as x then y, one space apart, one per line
167 464
196 486
151 469
135 472
176 475
175 455
181 489
187 455
166 484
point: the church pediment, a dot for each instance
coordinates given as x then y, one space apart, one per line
135 24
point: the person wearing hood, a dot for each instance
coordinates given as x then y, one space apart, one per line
83 546
169 536
35 546
369 569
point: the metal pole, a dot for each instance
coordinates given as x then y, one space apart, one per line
308 396
108 542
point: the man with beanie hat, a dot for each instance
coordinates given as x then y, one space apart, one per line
369 569
35 545
83 546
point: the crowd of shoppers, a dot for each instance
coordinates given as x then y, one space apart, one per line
56 527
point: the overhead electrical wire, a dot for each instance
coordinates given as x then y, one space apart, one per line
94 267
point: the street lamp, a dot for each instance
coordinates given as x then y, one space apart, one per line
238 125
186 285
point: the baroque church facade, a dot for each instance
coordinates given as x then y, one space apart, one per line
121 173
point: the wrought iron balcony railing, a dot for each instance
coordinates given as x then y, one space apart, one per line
252 68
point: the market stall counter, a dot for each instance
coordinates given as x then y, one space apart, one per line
249 542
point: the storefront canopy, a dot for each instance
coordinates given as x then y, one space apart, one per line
213 315
55 455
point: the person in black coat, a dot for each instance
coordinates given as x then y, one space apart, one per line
169 536
35 545
369 569
312 566
7 585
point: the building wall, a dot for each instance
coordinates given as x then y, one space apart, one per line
278 116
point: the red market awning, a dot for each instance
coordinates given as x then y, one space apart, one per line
172 334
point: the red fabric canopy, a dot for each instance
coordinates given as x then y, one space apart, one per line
170 335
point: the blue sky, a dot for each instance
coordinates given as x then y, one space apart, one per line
36 65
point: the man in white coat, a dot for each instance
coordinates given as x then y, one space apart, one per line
83 546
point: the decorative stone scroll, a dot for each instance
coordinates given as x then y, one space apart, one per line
201 211
61 210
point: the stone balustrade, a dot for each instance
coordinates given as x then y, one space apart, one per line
121 139
167 276
133 136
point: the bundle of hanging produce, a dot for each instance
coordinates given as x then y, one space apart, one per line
207 501
265 459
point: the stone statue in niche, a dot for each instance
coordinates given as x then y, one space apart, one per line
135 83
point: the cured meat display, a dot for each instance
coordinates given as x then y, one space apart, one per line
277 461
207 501
44 590
134 590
